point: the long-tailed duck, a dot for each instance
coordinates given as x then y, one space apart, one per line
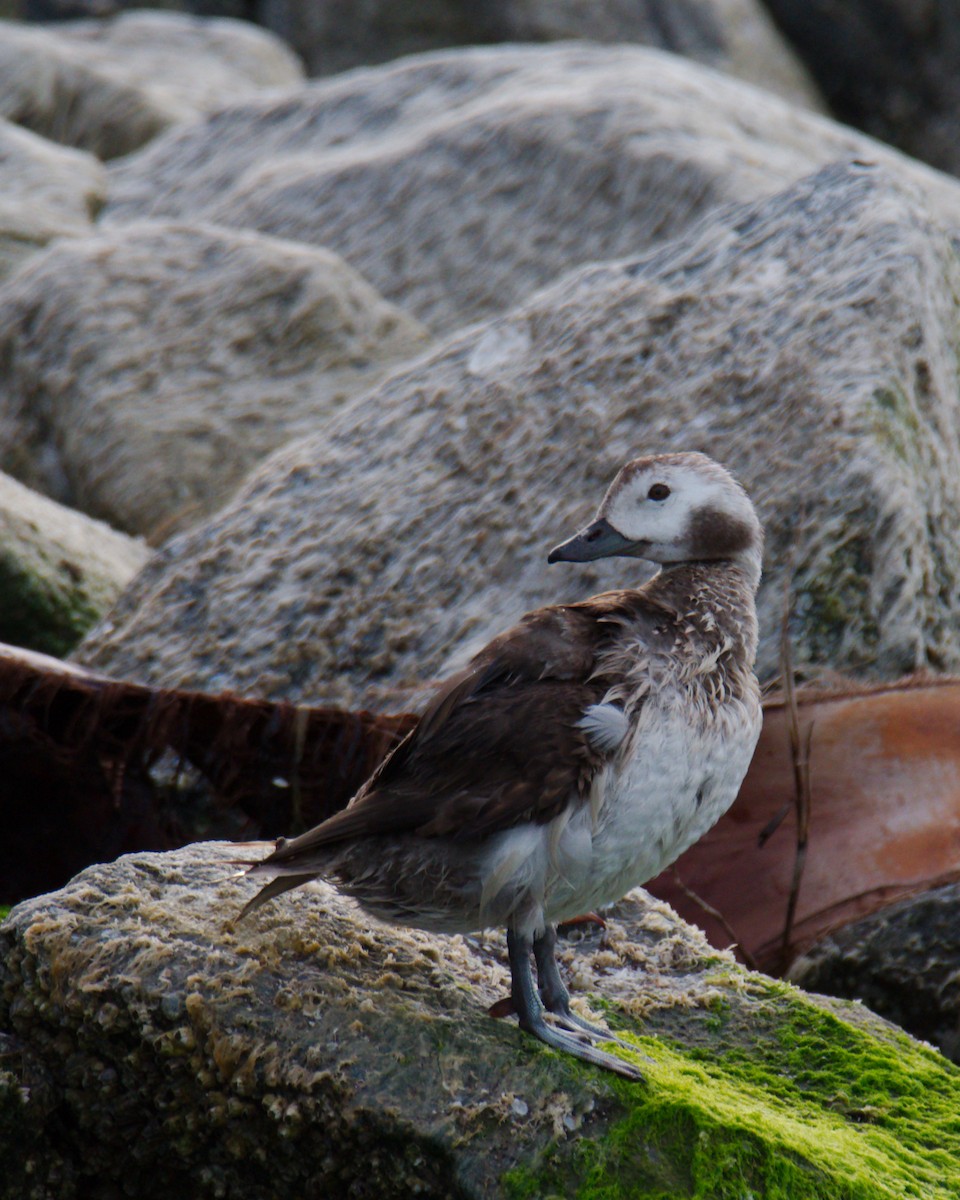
578 754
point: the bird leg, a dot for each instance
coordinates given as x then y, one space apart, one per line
553 991
575 1037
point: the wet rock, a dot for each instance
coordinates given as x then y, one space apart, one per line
46 191
903 961
808 341
152 1048
146 370
459 182
109 86
59 571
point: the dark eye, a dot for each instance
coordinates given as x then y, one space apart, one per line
659 491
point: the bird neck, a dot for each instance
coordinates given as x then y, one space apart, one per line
717 597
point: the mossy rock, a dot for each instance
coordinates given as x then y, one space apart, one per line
59 570
150 1047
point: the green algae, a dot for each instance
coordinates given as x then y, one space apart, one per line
815 1107
896 425
838 599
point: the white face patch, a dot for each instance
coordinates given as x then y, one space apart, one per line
664 523
605 725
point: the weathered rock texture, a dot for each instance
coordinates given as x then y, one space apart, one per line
110 86
892 68
151 1048
459 182
46 191
904 961
808 341
146 370
59 571
332 35
732 35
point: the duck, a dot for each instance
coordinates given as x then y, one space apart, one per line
577 755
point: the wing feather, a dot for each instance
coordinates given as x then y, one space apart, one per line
503 742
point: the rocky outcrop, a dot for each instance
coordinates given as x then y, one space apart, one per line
736 36
59 571
109 86
458 183
904 961
46 191
152 1047
892 69
808 341
146 370
732 35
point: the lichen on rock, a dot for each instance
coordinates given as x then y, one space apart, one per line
59 570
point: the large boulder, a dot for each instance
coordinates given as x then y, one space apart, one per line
808 341
736 36
903 960
109 86
147 369
46 191
458 182
892 69
59 571
332 35
151 1048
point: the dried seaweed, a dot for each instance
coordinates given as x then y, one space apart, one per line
91 767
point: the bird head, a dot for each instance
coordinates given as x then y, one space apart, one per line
670 508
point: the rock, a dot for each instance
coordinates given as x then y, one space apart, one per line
733 35
147 369
808 341
904 961
458 183
46 191
892 69
151 1048
109 86
59 571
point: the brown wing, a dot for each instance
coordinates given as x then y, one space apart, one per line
501 742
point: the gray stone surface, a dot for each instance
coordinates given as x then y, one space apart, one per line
109 86
59 570
151 1048
458 182
148 369
333 35
903 961
736 36
46 191
808 341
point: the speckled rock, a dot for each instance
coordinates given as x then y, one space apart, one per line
146 370
151 1048
458 182
904 961
807 341
59 571
333 35
732 35
109 86
46 191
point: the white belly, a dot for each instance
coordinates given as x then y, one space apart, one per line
672 784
